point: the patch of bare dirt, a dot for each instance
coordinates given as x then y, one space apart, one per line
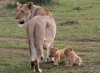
12 39
97 62
80 42
6 1
87 51
6 48
85 40
84 53
69 22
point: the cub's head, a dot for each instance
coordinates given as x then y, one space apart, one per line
68 51
52 52
23 12
52 55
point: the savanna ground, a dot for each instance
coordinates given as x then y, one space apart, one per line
79 29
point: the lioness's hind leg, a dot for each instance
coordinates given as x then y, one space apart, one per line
47 47
42 58
39 52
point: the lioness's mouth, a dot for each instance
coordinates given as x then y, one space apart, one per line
21 22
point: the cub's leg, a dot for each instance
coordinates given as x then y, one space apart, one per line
57 59
78 61
67 62
72 61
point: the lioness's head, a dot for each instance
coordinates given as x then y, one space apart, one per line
23 12
68 51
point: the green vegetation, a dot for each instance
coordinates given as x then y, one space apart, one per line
77 28
34 1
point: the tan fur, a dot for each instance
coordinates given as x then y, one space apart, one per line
57 54
28 10
43 11
71 57
41 30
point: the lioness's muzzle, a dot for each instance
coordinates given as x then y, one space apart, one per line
21 22
16 18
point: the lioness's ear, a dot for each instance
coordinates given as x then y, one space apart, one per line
18 4
29 5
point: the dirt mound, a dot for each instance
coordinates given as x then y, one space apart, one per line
69 22
98 62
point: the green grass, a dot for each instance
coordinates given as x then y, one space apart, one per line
82 37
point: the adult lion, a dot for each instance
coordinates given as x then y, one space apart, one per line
41 30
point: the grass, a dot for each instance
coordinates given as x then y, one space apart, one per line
82 37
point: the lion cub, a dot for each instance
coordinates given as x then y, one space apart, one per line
71 58
56 55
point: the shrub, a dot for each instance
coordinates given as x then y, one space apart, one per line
34 1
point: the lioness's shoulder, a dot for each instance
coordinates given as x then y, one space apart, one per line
43 11
48 12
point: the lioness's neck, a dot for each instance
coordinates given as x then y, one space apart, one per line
37 10
35 6
34 10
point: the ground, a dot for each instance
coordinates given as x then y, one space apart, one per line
78 29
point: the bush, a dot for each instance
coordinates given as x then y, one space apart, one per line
34 1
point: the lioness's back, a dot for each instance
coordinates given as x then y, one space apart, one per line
42 11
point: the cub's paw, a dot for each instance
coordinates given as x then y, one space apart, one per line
56 64
67 66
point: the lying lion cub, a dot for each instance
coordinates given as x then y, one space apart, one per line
71 58
56 55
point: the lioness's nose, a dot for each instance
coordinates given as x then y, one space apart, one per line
16 18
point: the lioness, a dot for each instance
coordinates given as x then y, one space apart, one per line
71 58
41 30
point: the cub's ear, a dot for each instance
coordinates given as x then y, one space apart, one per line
55 49
30 5
18 4
71 49
66 49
